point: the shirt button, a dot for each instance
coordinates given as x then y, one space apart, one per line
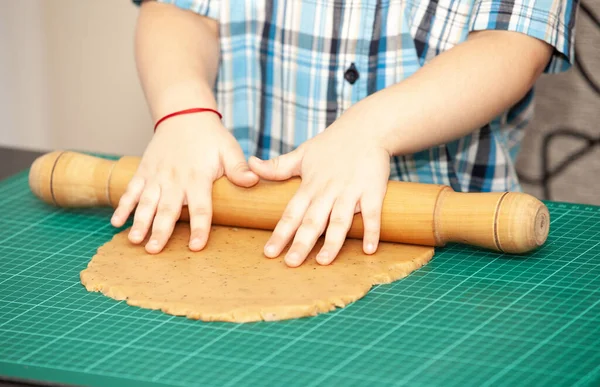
351 74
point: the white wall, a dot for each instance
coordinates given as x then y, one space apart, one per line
68 78
23 78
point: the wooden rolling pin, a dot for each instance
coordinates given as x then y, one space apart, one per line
413 213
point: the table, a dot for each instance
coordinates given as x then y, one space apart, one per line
470 317
13 160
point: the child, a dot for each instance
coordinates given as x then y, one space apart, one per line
344 94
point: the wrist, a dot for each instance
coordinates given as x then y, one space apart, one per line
365 125
193 94
192 121
185 112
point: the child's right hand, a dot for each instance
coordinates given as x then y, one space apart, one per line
185 156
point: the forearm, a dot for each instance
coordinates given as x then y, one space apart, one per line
456 93
177 56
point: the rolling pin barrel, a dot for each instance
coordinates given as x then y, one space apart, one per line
413 213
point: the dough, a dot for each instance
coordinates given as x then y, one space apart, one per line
231 280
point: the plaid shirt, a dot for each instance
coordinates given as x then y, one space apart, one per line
290 68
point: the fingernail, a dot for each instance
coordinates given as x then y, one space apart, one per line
195 243
293 258
370 248
135 234
270 250
323 257
153 243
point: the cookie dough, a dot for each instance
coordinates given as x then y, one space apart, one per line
231 280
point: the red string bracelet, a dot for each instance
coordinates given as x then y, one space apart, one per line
187 111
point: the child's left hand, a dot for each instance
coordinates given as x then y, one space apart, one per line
344 170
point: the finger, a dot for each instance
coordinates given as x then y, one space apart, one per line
313 225
144 213
279 168
288 224
236 167
340 221
199 199
370 206
128 201
167 213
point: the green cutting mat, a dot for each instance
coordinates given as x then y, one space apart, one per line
470 317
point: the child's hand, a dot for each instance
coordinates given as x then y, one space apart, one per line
186 155
343 172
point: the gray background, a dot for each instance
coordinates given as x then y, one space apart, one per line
566 101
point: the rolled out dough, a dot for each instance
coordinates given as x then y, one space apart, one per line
231 280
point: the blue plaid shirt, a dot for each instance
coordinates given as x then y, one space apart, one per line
290 68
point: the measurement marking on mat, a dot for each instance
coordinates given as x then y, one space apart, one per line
539 345
288 345
67 333
88 368
36 305
341 365
8 187
479 327
265 360
587 377
182 360
55 253
559 217
21 231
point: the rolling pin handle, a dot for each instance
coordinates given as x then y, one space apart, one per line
508 222
70 179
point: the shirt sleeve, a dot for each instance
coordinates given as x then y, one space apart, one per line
552 21
208 8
